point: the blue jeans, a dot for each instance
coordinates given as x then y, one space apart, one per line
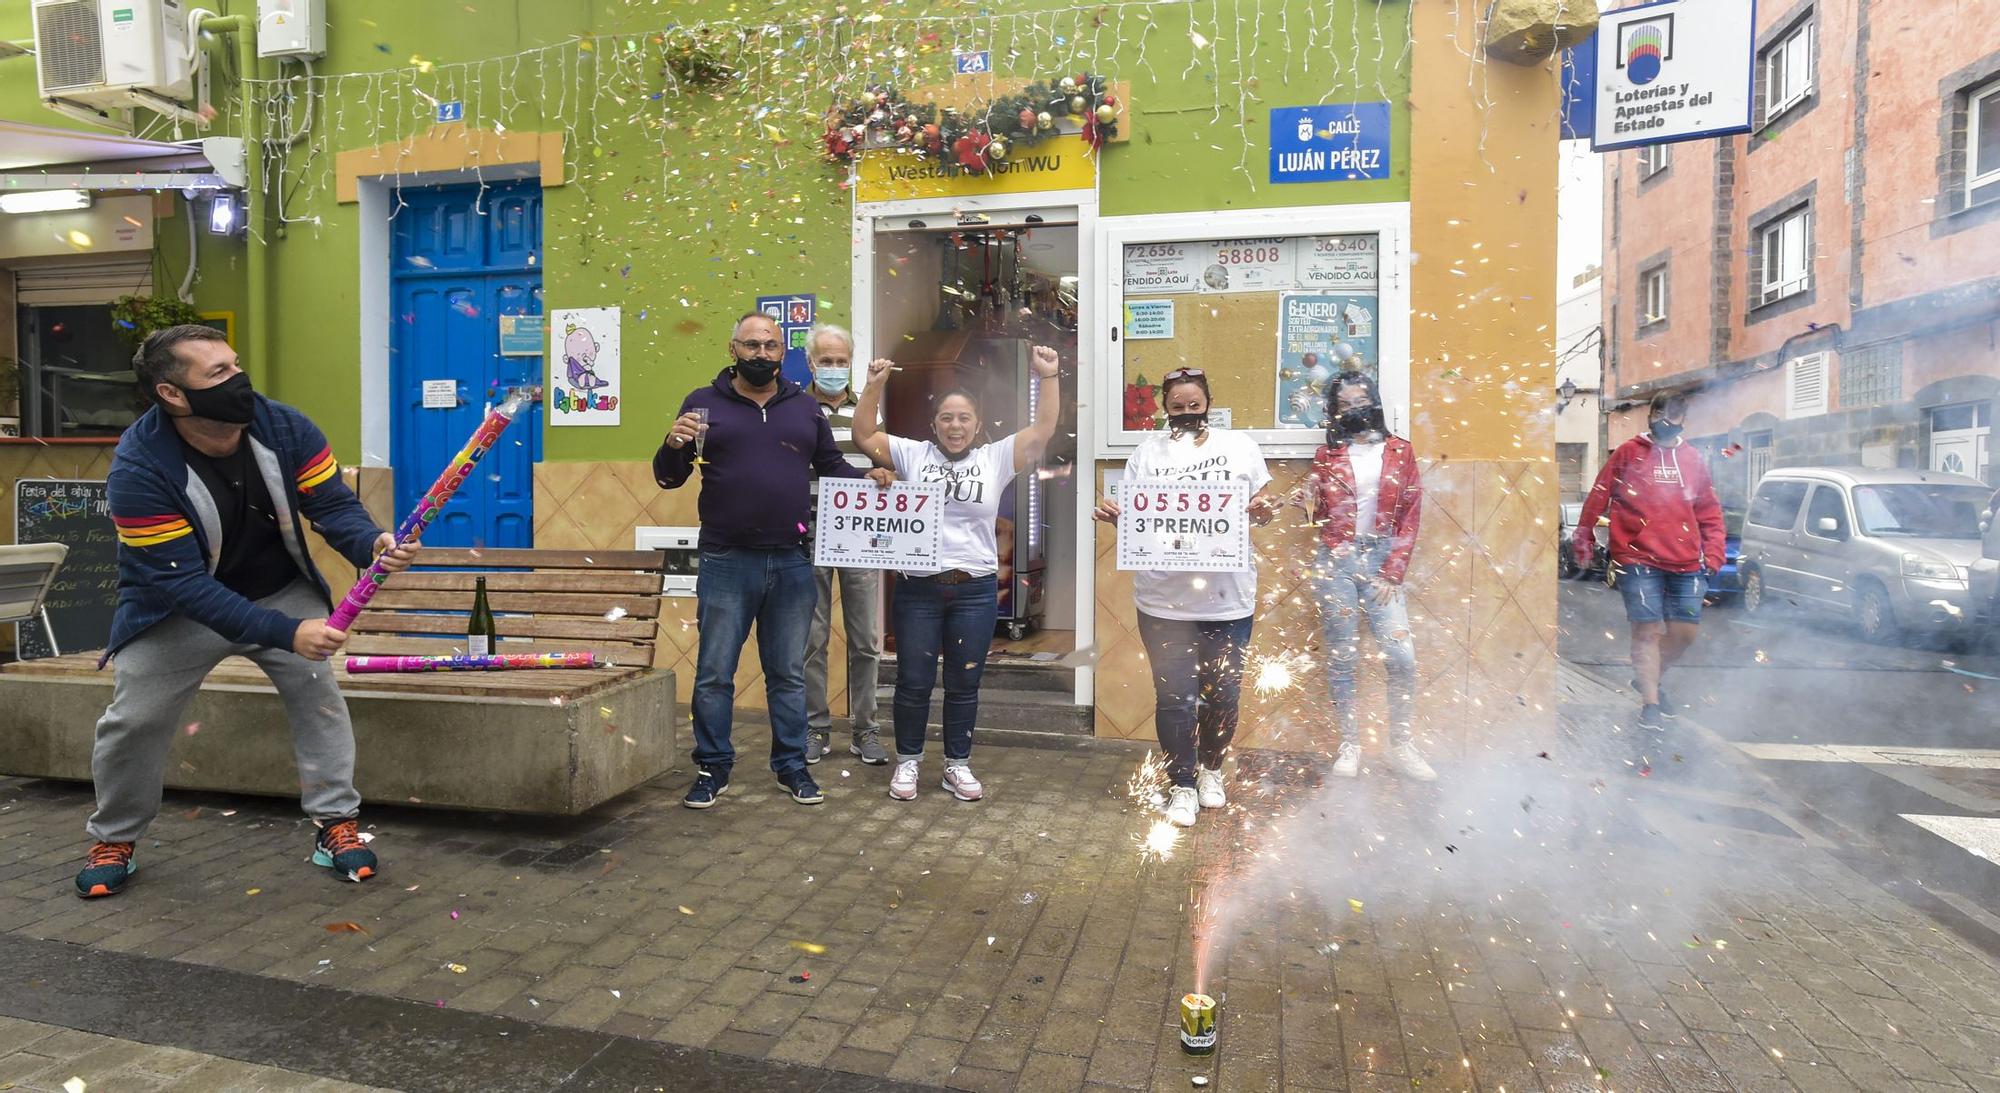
1655 595
1197 678
1344 579
949 621
737 586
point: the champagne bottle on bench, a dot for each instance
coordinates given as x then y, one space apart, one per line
480 637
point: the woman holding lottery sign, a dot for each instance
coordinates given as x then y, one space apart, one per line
947 614
1196 626
1365 498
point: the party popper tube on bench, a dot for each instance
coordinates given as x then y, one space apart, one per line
470 662
433 501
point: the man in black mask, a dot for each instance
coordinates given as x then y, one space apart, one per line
210 490
760 440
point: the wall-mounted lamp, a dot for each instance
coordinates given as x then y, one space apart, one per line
224 215
1564 393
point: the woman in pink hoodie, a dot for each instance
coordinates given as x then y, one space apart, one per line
1366 500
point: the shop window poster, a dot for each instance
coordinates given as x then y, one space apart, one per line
1319 336
584 367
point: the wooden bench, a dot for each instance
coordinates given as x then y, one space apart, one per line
552 741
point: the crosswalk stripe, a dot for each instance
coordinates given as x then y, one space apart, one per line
1889 754
1979 835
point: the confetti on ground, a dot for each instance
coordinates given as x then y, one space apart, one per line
456 969
685 910
812 947
252 891
346 928
74 1085
1354 905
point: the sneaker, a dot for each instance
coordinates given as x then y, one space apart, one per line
1667 708
868 745
1182 806
708 785
959 780
339 848
802 787
1649 716
1349 763
106 870
818 743
903 783
1208 784
1405 760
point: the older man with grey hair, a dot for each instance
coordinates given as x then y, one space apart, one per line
830 352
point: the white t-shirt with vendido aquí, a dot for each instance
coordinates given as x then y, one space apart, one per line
1198 597
972 486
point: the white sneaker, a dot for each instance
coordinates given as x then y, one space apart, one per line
1208 784
1405 760
1349 763
959 780
1182 807
903 783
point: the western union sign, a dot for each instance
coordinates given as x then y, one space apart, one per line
1058 163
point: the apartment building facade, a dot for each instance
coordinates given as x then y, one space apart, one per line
1829 284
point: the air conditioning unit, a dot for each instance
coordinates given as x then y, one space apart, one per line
106 55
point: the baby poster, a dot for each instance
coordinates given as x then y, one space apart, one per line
583 366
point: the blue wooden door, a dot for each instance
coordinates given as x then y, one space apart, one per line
462 260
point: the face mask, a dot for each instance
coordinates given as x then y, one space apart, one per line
1187 423
831 380
755 372
1665 431
231 402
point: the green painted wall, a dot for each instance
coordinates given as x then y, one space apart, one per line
682 208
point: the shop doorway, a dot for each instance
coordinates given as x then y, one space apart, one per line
1960 435
958 300
463 256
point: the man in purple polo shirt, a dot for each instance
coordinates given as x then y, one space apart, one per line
765 440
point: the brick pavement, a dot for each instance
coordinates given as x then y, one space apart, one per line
1528 923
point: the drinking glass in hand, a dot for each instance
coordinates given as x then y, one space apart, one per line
700 433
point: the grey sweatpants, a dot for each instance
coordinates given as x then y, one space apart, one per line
155 677
861 611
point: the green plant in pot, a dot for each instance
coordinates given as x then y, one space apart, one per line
135 317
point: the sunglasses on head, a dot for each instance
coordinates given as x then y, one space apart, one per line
1180 373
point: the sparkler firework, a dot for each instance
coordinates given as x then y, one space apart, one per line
433 501
497 662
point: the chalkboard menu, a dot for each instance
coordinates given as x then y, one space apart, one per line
78 515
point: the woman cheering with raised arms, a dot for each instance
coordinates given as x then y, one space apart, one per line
949 612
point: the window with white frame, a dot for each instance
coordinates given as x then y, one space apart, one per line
1653 294
1325 290
1805 386
1982 144
1653 159
1784 247
1787 67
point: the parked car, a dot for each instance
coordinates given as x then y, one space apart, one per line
1892 548
1566 565
1984 581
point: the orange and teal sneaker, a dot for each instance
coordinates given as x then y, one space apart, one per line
106 870
339 848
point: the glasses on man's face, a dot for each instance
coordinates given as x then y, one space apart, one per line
767 347
1180 373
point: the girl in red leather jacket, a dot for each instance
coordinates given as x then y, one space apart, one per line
1365 499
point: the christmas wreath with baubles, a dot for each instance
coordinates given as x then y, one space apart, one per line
972 141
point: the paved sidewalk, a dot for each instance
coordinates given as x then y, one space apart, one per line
1528 922
36 1058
